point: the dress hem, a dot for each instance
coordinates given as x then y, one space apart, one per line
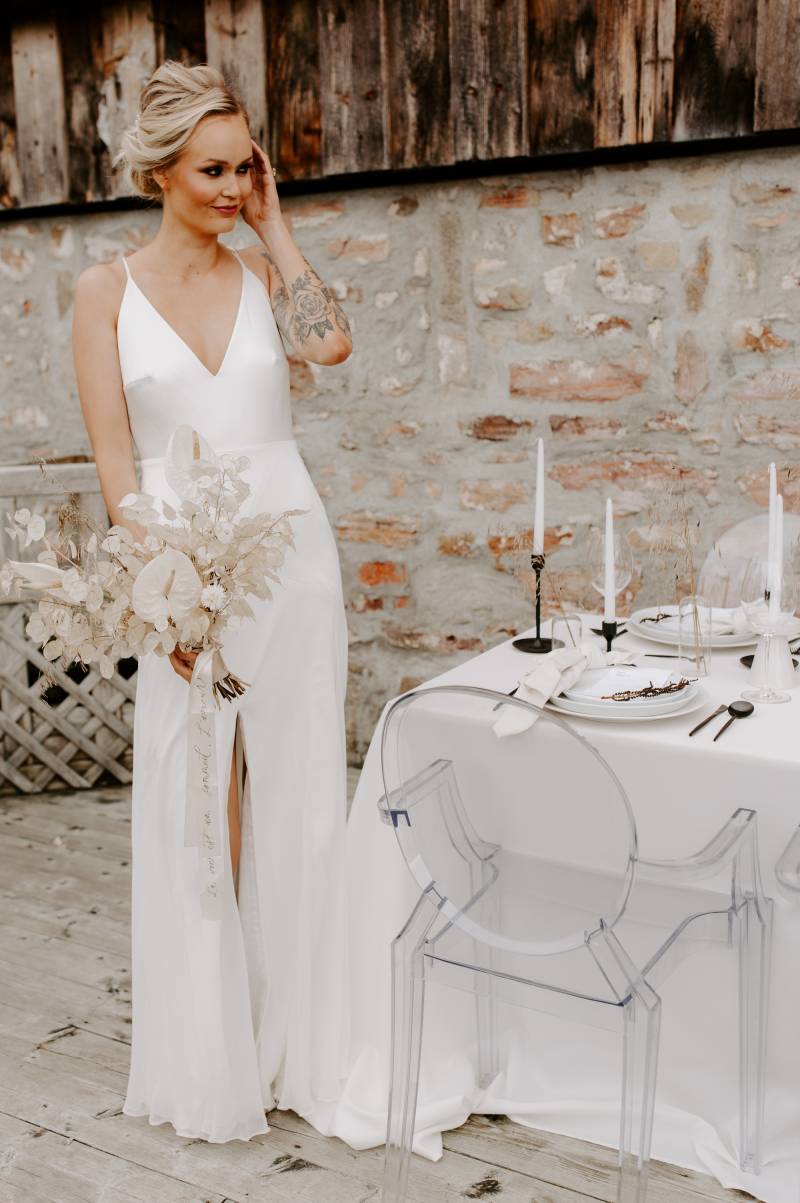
154 1120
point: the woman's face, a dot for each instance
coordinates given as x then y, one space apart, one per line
212 178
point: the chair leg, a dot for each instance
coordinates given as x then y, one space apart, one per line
408 1002
641 1022
755 938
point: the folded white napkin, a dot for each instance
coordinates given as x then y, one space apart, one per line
724 621
554 672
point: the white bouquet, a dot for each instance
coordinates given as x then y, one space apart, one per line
183 586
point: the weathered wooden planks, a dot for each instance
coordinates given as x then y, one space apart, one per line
422 45
777 101
129 58
40 115
561 57
715 68
489 78
353 86
634 72
293 87
343 86
236 44
65 1011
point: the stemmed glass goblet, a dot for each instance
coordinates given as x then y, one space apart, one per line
769 599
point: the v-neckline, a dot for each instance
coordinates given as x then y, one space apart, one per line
181 340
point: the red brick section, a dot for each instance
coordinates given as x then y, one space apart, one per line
382 572
696 279
631 474
457 545
616 223
498 495
691 369
578 380
431 641
749 334
566 427
788 483
507 549
760 428
561 229
301 378
497 428
518 196
773 384
365 527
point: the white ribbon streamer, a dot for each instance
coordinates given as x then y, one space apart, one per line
203 819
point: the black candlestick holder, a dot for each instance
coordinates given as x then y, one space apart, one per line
537 644
610 631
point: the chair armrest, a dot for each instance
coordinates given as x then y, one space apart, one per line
718 853
396 805
787 869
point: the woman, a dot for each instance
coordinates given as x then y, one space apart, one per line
230 1017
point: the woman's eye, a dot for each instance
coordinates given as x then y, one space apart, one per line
211 170
243 170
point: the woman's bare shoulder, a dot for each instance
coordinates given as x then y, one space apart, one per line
100 287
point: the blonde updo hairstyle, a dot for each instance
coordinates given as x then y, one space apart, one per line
172 102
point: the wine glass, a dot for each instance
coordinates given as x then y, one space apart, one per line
623 560
769 599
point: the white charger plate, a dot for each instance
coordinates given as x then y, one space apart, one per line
576 710
651 631
634 677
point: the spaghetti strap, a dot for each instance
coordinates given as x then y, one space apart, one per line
236 254
125 265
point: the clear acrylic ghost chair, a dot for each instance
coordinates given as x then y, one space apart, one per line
722 574
787 870
524 896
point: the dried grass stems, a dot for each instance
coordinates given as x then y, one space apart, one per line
674 531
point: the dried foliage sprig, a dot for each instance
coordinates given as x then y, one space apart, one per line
649 691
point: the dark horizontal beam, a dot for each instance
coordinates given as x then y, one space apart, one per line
467 170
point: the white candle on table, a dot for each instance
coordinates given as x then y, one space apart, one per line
773 505
609 576
538 514
777 562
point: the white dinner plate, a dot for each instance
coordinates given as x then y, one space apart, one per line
586 689
651 631
576 710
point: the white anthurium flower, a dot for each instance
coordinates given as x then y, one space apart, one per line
167 587
38 576
186 450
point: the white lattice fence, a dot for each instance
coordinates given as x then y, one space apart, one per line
78 733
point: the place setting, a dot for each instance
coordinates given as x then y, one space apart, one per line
582 671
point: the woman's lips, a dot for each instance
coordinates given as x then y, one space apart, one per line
227 210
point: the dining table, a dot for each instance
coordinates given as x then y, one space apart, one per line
560 1075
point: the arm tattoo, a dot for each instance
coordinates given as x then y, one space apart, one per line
306 307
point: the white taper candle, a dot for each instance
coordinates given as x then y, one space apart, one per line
771 549
538 514
609 576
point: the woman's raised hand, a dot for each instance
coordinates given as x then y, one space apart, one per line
262 205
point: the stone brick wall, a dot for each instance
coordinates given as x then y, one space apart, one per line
643 319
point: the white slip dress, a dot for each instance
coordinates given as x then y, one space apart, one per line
233 1017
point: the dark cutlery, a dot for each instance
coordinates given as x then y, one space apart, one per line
720 710
596 630
511 693
735 710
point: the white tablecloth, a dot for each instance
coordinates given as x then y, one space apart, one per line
682 791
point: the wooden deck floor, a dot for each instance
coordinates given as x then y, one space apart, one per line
64 1049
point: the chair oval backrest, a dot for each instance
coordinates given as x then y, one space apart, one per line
527 841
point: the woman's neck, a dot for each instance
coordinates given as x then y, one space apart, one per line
183 252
